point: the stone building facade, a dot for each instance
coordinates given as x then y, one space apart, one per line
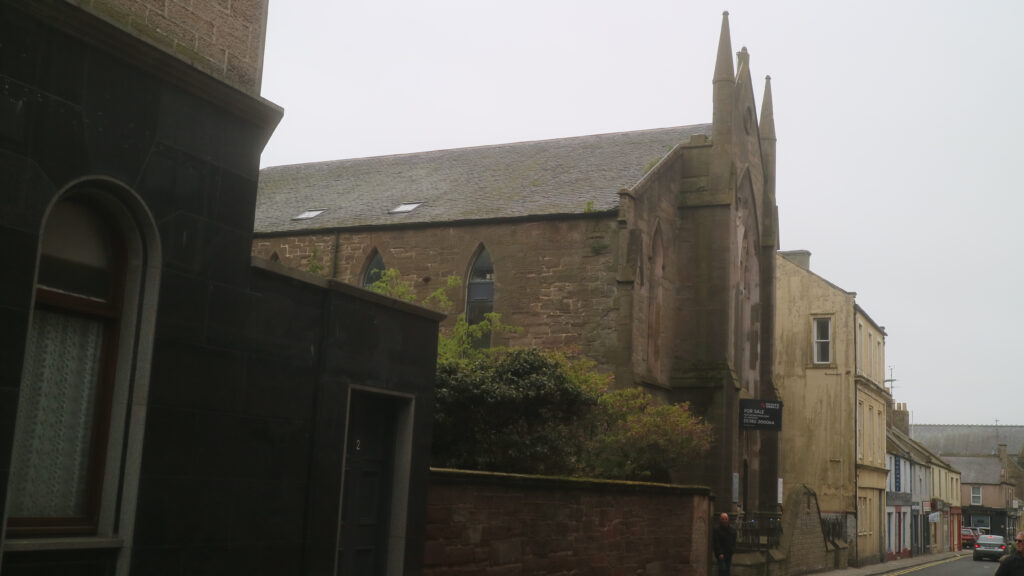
829 375
910 522
651 252
223 38
991 460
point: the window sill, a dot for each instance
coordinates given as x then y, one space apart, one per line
44 544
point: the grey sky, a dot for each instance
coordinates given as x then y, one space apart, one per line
899 131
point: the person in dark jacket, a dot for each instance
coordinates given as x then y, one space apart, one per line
723 541
1013 563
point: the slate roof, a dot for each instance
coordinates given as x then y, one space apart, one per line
968 440
547 177
899 443
902 445
977 469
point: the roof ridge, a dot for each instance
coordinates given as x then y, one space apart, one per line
485 146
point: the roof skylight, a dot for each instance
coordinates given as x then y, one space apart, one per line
405 207
309 214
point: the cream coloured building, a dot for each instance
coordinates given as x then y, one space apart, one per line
945 519
830 372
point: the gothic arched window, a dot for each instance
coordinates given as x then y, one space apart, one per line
654 301
374 269
480 294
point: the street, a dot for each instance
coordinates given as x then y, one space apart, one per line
963 566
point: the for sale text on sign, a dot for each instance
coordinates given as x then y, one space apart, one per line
761 414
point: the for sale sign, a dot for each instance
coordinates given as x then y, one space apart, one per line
761 414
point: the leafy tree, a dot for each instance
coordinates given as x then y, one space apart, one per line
544 412
313 264
634 437
390 283
511 411
457 342
535 412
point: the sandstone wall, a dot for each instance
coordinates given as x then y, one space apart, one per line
223 38
555 279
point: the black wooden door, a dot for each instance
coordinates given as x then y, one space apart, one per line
362 548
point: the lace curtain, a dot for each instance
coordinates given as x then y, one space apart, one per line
50 466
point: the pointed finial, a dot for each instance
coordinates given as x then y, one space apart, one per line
767 126
723 64
743 57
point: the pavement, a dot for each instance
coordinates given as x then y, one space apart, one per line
901 566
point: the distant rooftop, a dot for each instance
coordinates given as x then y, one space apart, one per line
968 439
977 469
541 178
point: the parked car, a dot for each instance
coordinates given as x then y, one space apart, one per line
988 546
968 538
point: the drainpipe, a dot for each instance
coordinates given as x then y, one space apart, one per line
334 258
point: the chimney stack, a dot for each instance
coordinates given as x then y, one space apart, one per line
901 418
801 258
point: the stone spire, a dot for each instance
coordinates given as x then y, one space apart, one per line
723 94
723 65
743 57
767 127
766 132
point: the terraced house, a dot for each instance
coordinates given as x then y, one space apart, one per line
830 376
651 252
991 460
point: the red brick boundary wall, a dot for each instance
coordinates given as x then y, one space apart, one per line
487 524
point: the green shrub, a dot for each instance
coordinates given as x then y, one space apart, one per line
543 412
509 411
533 412
636 438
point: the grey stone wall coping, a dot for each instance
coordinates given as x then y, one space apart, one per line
452 476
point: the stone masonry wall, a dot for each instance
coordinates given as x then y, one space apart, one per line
497 524
555 279
803 540
223 38
312 253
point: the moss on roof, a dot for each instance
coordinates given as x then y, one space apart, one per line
547 177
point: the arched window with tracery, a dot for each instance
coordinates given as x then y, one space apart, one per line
374 269
480 292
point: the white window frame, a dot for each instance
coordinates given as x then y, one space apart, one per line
860 346
860 430
976 496
879 363
871 358
817 342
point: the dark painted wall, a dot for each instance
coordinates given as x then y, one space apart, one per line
241 468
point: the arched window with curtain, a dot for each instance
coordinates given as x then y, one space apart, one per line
374 269
480 292
73 421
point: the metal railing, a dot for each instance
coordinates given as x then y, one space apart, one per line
758 530
834 528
